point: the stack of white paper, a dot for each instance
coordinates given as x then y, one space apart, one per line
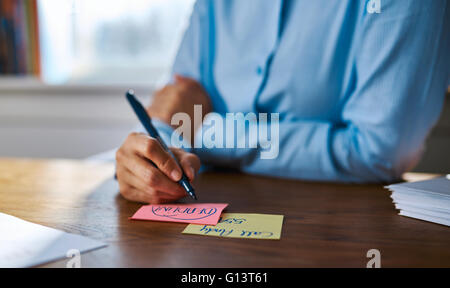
25 244
426 200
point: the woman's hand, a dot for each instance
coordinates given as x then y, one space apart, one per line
140 181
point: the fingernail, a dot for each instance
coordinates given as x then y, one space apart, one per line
176 175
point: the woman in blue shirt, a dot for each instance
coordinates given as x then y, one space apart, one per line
357 86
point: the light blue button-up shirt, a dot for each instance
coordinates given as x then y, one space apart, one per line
357 92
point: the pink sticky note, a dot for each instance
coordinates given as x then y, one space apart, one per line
204 213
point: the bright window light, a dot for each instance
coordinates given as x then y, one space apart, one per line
130 42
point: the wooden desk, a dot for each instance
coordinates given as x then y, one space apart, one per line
329 225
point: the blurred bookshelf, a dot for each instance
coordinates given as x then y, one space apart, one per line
19 38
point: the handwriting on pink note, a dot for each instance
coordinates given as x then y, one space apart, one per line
204 213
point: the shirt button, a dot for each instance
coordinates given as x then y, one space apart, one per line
259 70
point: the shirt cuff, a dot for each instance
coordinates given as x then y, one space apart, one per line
230 157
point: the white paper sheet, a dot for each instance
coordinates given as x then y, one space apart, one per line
424 217
435 187
429 212
426 200
25 244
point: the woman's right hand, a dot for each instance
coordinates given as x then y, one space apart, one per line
140 181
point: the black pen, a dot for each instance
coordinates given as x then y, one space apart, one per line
147 123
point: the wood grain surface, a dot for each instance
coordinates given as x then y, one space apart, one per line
326 224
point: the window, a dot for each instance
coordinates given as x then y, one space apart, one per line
131 42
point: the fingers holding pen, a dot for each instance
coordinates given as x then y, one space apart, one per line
151 149
188 161
145 170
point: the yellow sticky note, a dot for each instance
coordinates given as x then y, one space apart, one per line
238 225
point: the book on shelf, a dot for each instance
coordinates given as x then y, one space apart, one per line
19 38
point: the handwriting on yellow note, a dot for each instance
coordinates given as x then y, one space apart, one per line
238 225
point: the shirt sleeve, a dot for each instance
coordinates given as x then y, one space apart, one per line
401 67
189 60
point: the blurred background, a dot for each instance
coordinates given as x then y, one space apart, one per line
65 65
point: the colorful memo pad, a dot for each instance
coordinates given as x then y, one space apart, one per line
237 225
186 213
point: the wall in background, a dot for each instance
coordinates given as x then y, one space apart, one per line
437 153
74 123
80 122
